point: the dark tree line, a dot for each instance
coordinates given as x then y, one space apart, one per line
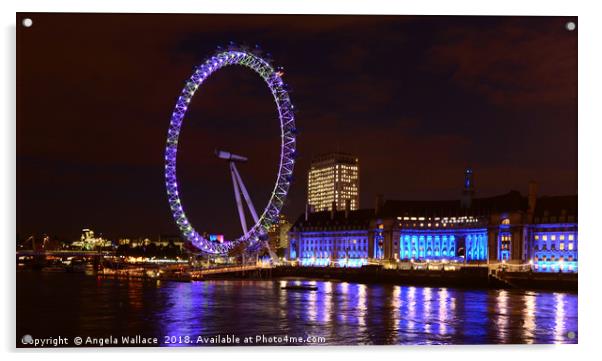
151 250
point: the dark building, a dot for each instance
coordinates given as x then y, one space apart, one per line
526 232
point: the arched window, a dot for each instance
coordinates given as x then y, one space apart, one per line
506 221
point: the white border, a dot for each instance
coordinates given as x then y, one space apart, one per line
590 180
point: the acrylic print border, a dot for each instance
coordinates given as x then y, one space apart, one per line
585 225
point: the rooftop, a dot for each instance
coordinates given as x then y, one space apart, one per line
510 201
335 157
547 207
556 206
359 218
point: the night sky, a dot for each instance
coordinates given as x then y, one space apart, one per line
416 99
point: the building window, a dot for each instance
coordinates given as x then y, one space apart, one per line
504 246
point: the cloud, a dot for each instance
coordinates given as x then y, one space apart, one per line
519 63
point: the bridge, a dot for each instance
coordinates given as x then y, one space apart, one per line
64 253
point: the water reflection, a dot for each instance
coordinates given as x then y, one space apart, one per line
426 302
360 308
326 304
560 317
343 289
529 317
343 313
502 318
396 311
410 311
311 299
443 310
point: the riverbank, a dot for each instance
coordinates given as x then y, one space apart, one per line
463 278
468 277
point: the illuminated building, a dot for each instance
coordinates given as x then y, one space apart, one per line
278 233
88 241
537 233
454 230
165 240
216 238
332 238
162 241
553 237
282 229
333 178
134 242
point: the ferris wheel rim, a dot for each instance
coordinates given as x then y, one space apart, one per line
271 212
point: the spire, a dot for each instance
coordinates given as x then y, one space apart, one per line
468 191
468 180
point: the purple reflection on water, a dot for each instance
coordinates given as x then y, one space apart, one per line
342 313
349 313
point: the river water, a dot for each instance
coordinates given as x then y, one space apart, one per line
218 312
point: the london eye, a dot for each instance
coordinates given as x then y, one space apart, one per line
255 236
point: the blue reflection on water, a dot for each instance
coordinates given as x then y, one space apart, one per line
342 313
349 313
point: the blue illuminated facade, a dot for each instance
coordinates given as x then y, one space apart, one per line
336 248
554 248
433 238
511 231
379 243
427 245
553 236
504 242
331 239
476 245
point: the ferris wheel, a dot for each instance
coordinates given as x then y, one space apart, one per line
255 236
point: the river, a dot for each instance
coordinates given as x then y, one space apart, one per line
338 313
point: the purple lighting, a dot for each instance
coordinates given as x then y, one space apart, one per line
288 141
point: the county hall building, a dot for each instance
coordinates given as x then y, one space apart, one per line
537 233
